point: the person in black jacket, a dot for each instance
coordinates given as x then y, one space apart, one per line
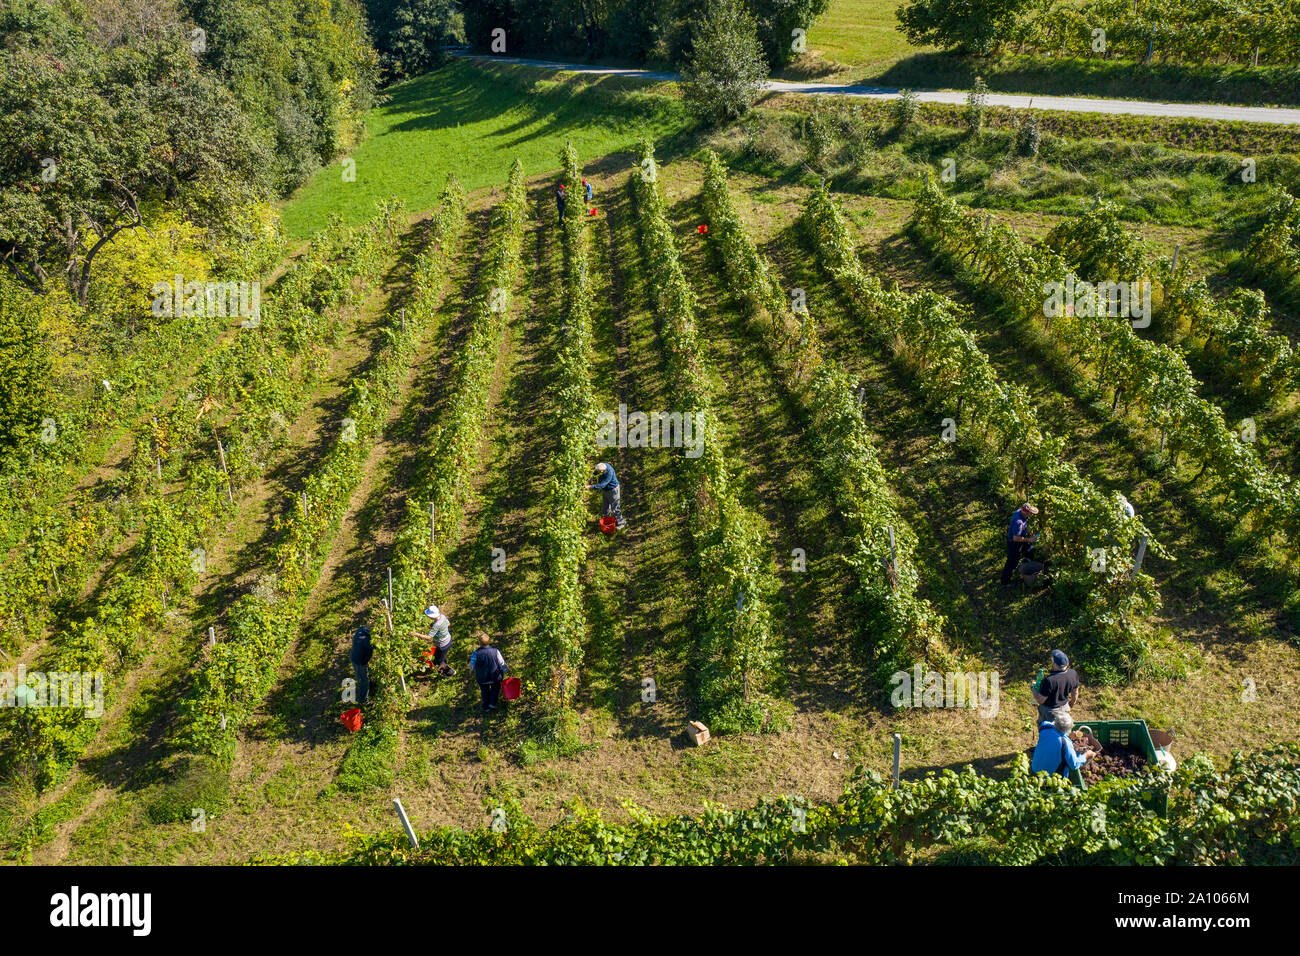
489 669
362 651
560 196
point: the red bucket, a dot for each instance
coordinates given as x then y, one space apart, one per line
352 719
608 524
511 688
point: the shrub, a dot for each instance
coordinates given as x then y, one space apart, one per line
725 72
977 103
905 110
1029 138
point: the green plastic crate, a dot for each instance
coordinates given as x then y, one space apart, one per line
1133 733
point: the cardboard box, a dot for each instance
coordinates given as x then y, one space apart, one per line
698 733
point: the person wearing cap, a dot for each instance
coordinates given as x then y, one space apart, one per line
1020 543
586 190
560 196
1055 751
440 634
489 669
1058 691
611 497
362 651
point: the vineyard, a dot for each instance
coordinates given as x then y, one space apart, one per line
828 403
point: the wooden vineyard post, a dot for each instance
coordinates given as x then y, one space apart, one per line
898 754
891 566
388 616
390 592
1141 555
1173 273
158 460
406 823
433 522
403 319
212 636
221 454
302 496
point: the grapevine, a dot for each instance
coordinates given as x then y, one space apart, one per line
736 647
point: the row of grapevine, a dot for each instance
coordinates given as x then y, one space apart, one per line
1093 541
899 627
737 649
166 554
555 651
235 675
1247 32
81 422
1233 331
1275 248
444 466
1151 374
62 550
1241 814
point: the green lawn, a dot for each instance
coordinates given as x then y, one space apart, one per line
863 34
474 122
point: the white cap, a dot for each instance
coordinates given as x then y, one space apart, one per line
432 611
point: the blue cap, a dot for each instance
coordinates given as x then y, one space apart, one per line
1059 659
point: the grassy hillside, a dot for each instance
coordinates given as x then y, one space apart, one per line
862 34
472 122
291 784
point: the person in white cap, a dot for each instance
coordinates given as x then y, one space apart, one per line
1020 543
440 634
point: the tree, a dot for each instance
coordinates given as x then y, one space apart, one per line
977 102
303 72
725 72
93 135
410 34
964 26
778 19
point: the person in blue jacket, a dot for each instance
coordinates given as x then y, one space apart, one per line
611 497
362 651
489 669
1055 752
1020 543
586 189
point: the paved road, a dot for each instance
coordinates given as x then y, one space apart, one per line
1072 104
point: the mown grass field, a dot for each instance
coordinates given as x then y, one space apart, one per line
290 786
452 121
860 34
